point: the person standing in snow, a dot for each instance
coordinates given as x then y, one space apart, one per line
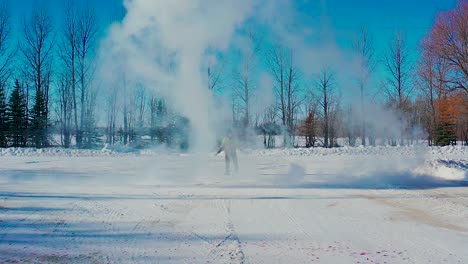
229 146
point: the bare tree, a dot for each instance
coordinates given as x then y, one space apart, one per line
364 47
68 82
448 40
292 99
269 127
397 63
235 112
37 50
140 104
335 121
66 110
431 73
6 55
350 125
215 73
326 100
86 42
286 77
244 86
153 117
112 117
5 59
126 109
158 115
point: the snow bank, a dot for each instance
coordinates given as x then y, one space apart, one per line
121 151
374 151
451 170
59 152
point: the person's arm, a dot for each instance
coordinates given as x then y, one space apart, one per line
221 148
219 151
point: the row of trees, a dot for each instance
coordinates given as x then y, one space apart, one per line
443 77
34 66
55 99
431 101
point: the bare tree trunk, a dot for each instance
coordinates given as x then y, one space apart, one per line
447 40
398 66
325 86
45 134
326 131
215 76
87 30
141 108
276 63
364 47
6 55
247 103
153 115
67 53
292 102
244 88
112 113
86 33
285 75
125 111
37 51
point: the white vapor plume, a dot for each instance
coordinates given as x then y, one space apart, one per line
162 46
165 46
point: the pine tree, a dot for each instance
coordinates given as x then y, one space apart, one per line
445 133
3 117
17 121
39 121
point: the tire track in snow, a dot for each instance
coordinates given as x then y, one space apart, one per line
313 252
230 246
111 252
415 214
147 229
176 219
321 252
62 226
52 226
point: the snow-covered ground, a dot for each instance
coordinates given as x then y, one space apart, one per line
346 205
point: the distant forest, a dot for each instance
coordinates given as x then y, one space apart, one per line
49 96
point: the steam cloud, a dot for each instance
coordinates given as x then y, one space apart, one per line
165 46
162 46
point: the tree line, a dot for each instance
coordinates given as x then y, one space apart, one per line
428 98
49 93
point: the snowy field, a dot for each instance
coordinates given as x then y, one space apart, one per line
347 205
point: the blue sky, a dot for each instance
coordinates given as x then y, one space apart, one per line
343 17
382 18
414 17
107 9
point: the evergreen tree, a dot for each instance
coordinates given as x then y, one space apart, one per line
3 117
39 121
17 121
445 134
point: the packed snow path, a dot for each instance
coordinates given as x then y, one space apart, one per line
282 208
